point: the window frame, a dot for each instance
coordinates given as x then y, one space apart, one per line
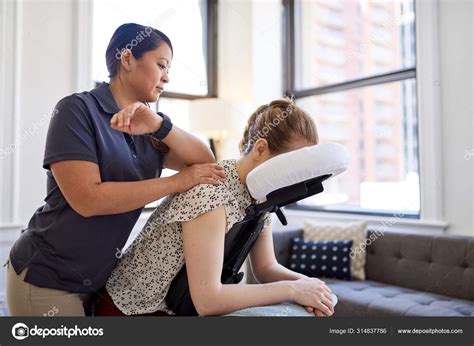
211 51
290 90
211 57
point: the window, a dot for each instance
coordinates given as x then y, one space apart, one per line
358 80
191 27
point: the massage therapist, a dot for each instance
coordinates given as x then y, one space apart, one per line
105 151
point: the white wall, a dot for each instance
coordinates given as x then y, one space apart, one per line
46 74
7 78
43 72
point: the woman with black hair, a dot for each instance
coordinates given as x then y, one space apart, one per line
105 151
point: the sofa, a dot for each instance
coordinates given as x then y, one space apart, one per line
407 274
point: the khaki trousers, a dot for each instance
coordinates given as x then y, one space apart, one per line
25 299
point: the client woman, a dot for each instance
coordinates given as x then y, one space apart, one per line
190 228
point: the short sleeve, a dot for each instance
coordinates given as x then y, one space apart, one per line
267 219
189 205
71 134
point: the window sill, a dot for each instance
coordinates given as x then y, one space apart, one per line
296 219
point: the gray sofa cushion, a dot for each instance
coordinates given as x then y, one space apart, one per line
408 274
442 264
369 298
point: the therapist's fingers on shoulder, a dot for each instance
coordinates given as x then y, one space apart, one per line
211 174
215 165
210 181
201 174
215 176
219 170
210 170
219 174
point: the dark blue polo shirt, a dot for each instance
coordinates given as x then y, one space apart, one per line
62 249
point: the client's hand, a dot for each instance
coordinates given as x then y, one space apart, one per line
317 313
313 293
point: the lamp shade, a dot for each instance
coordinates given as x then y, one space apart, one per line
217 118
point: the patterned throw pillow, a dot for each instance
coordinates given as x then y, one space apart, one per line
329 259
318 231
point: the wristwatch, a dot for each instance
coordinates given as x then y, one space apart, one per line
165 127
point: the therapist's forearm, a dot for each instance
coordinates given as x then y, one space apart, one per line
188 147
119 197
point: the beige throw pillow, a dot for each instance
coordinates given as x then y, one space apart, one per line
356 232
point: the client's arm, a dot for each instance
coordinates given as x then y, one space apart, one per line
203 251
264 264
266 268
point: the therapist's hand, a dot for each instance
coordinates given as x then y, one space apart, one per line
136 119
201 173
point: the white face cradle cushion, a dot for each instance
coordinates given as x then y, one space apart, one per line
297 166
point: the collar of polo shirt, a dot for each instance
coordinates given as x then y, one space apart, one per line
105 98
